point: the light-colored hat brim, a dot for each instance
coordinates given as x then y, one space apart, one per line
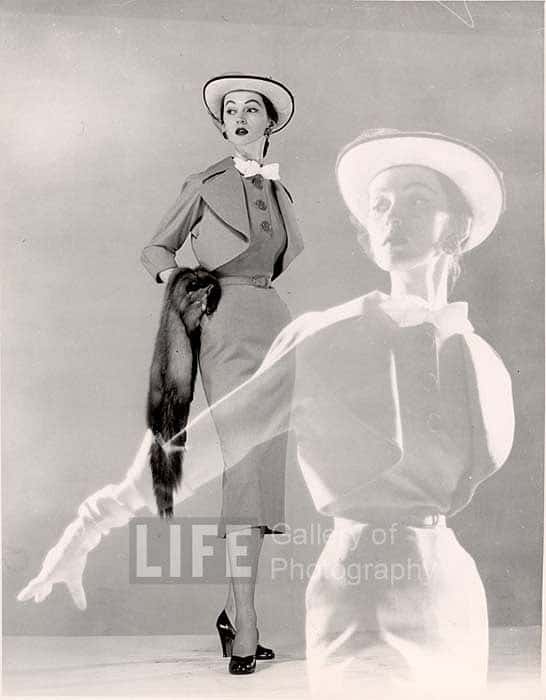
472 171
280 96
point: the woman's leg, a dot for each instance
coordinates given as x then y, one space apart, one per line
234 341
243 583
230 607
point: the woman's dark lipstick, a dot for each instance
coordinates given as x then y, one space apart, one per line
241 131
395 239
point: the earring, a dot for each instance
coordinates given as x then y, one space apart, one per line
452 245
456 235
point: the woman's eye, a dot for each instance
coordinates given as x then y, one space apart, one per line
381 205
420 202
252 109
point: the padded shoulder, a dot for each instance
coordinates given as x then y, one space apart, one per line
308 325
216 169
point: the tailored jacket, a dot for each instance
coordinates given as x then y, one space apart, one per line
212 210
389 418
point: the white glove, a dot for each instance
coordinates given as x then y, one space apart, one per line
112 506
65 562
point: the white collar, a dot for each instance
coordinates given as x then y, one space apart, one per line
249 168
411 310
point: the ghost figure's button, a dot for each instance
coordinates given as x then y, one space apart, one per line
434 422
430 332
430 381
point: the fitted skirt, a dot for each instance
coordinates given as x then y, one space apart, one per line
252 424
396 606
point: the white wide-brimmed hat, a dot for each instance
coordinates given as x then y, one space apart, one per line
279 95
474 173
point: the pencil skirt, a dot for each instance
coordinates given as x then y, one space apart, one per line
395 604
253 424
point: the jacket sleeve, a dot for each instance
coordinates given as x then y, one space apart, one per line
173 230
491 407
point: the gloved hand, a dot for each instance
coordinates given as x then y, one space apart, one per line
112 506
65 562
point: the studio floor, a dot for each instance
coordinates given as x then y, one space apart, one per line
191 667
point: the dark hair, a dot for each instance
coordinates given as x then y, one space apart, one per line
454 193
269 108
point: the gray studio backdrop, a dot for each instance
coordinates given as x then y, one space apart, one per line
102 120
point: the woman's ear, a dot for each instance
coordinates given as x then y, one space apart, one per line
456 234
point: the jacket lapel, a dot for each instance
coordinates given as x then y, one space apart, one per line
223 192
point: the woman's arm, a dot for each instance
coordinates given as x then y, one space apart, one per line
110 507
116 504
491 410
158 257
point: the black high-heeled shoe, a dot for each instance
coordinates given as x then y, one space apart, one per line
226 632
242 665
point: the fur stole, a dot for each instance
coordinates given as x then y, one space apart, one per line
189 295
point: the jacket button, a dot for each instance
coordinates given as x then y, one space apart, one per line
258 181
261 204
266 226
430 381
430 332
434 422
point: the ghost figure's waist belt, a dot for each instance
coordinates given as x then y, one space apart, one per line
408 519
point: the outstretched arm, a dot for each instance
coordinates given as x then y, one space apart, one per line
110 507
115 504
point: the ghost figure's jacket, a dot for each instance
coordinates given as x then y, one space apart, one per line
391 419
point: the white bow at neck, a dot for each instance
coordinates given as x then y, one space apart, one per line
249 168
410 310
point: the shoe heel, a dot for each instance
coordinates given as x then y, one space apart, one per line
226 633
227 646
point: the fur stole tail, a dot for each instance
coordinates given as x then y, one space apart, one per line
189 294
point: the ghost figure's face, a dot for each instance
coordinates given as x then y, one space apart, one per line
407 219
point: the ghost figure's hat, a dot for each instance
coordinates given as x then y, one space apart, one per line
475 174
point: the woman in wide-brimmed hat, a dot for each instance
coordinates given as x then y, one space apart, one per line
240 220
394 595
242 226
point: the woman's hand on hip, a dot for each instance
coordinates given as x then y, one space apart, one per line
164 275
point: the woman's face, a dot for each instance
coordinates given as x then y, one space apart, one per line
245 117
408 214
